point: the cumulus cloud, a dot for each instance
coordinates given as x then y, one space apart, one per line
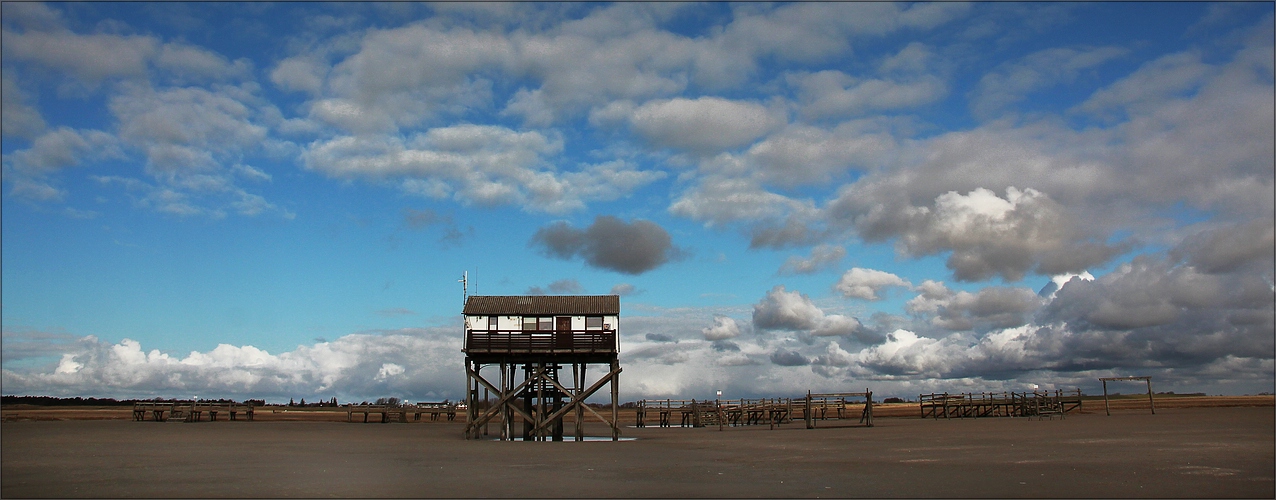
785 310
988 235
794 311
865 284
724 327
989 308
609 243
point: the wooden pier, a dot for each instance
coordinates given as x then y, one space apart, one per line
1003 404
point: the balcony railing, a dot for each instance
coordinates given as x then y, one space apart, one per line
540 342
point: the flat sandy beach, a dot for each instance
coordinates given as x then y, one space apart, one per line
1225 452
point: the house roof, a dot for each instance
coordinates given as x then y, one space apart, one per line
523 305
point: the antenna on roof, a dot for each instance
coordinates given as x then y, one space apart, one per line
465 286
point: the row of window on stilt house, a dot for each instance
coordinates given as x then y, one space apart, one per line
772 412
1041 404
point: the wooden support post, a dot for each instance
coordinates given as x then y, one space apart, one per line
578 384
868 407
1106 409
615 397
717 406
810 423
1150 402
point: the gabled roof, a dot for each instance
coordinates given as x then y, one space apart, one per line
524 305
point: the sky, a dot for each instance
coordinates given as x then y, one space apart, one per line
252 200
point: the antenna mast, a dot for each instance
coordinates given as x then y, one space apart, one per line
465 286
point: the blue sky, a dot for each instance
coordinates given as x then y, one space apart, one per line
277 200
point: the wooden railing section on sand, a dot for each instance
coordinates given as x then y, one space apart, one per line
1041 404
399 413
188 411
760 411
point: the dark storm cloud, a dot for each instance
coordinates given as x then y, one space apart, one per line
784 357
793 232
610 243
660 337
1229 248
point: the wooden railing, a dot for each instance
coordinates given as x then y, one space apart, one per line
540 342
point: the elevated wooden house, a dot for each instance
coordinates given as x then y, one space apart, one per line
532 341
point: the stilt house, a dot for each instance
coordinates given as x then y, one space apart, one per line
541 337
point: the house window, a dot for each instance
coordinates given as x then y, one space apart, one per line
529 323
491 322
593 322
532 323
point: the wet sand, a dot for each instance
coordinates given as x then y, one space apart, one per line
1176 453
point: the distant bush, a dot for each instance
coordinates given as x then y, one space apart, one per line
893 400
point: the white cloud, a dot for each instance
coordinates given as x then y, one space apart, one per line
704 125
416 363
720 200
1151 85
802 154
865 284
90 58
300 73
834 94
823 257
30 169
1010 82
20 118
191 63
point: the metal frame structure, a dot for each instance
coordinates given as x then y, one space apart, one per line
529 382
1105 381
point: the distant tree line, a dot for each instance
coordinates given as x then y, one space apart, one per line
52 401
80 401
303 403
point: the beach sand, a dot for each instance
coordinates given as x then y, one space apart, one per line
1180 452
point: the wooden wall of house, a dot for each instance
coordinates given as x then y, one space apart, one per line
516 322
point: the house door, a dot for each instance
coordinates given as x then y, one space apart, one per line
563 332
